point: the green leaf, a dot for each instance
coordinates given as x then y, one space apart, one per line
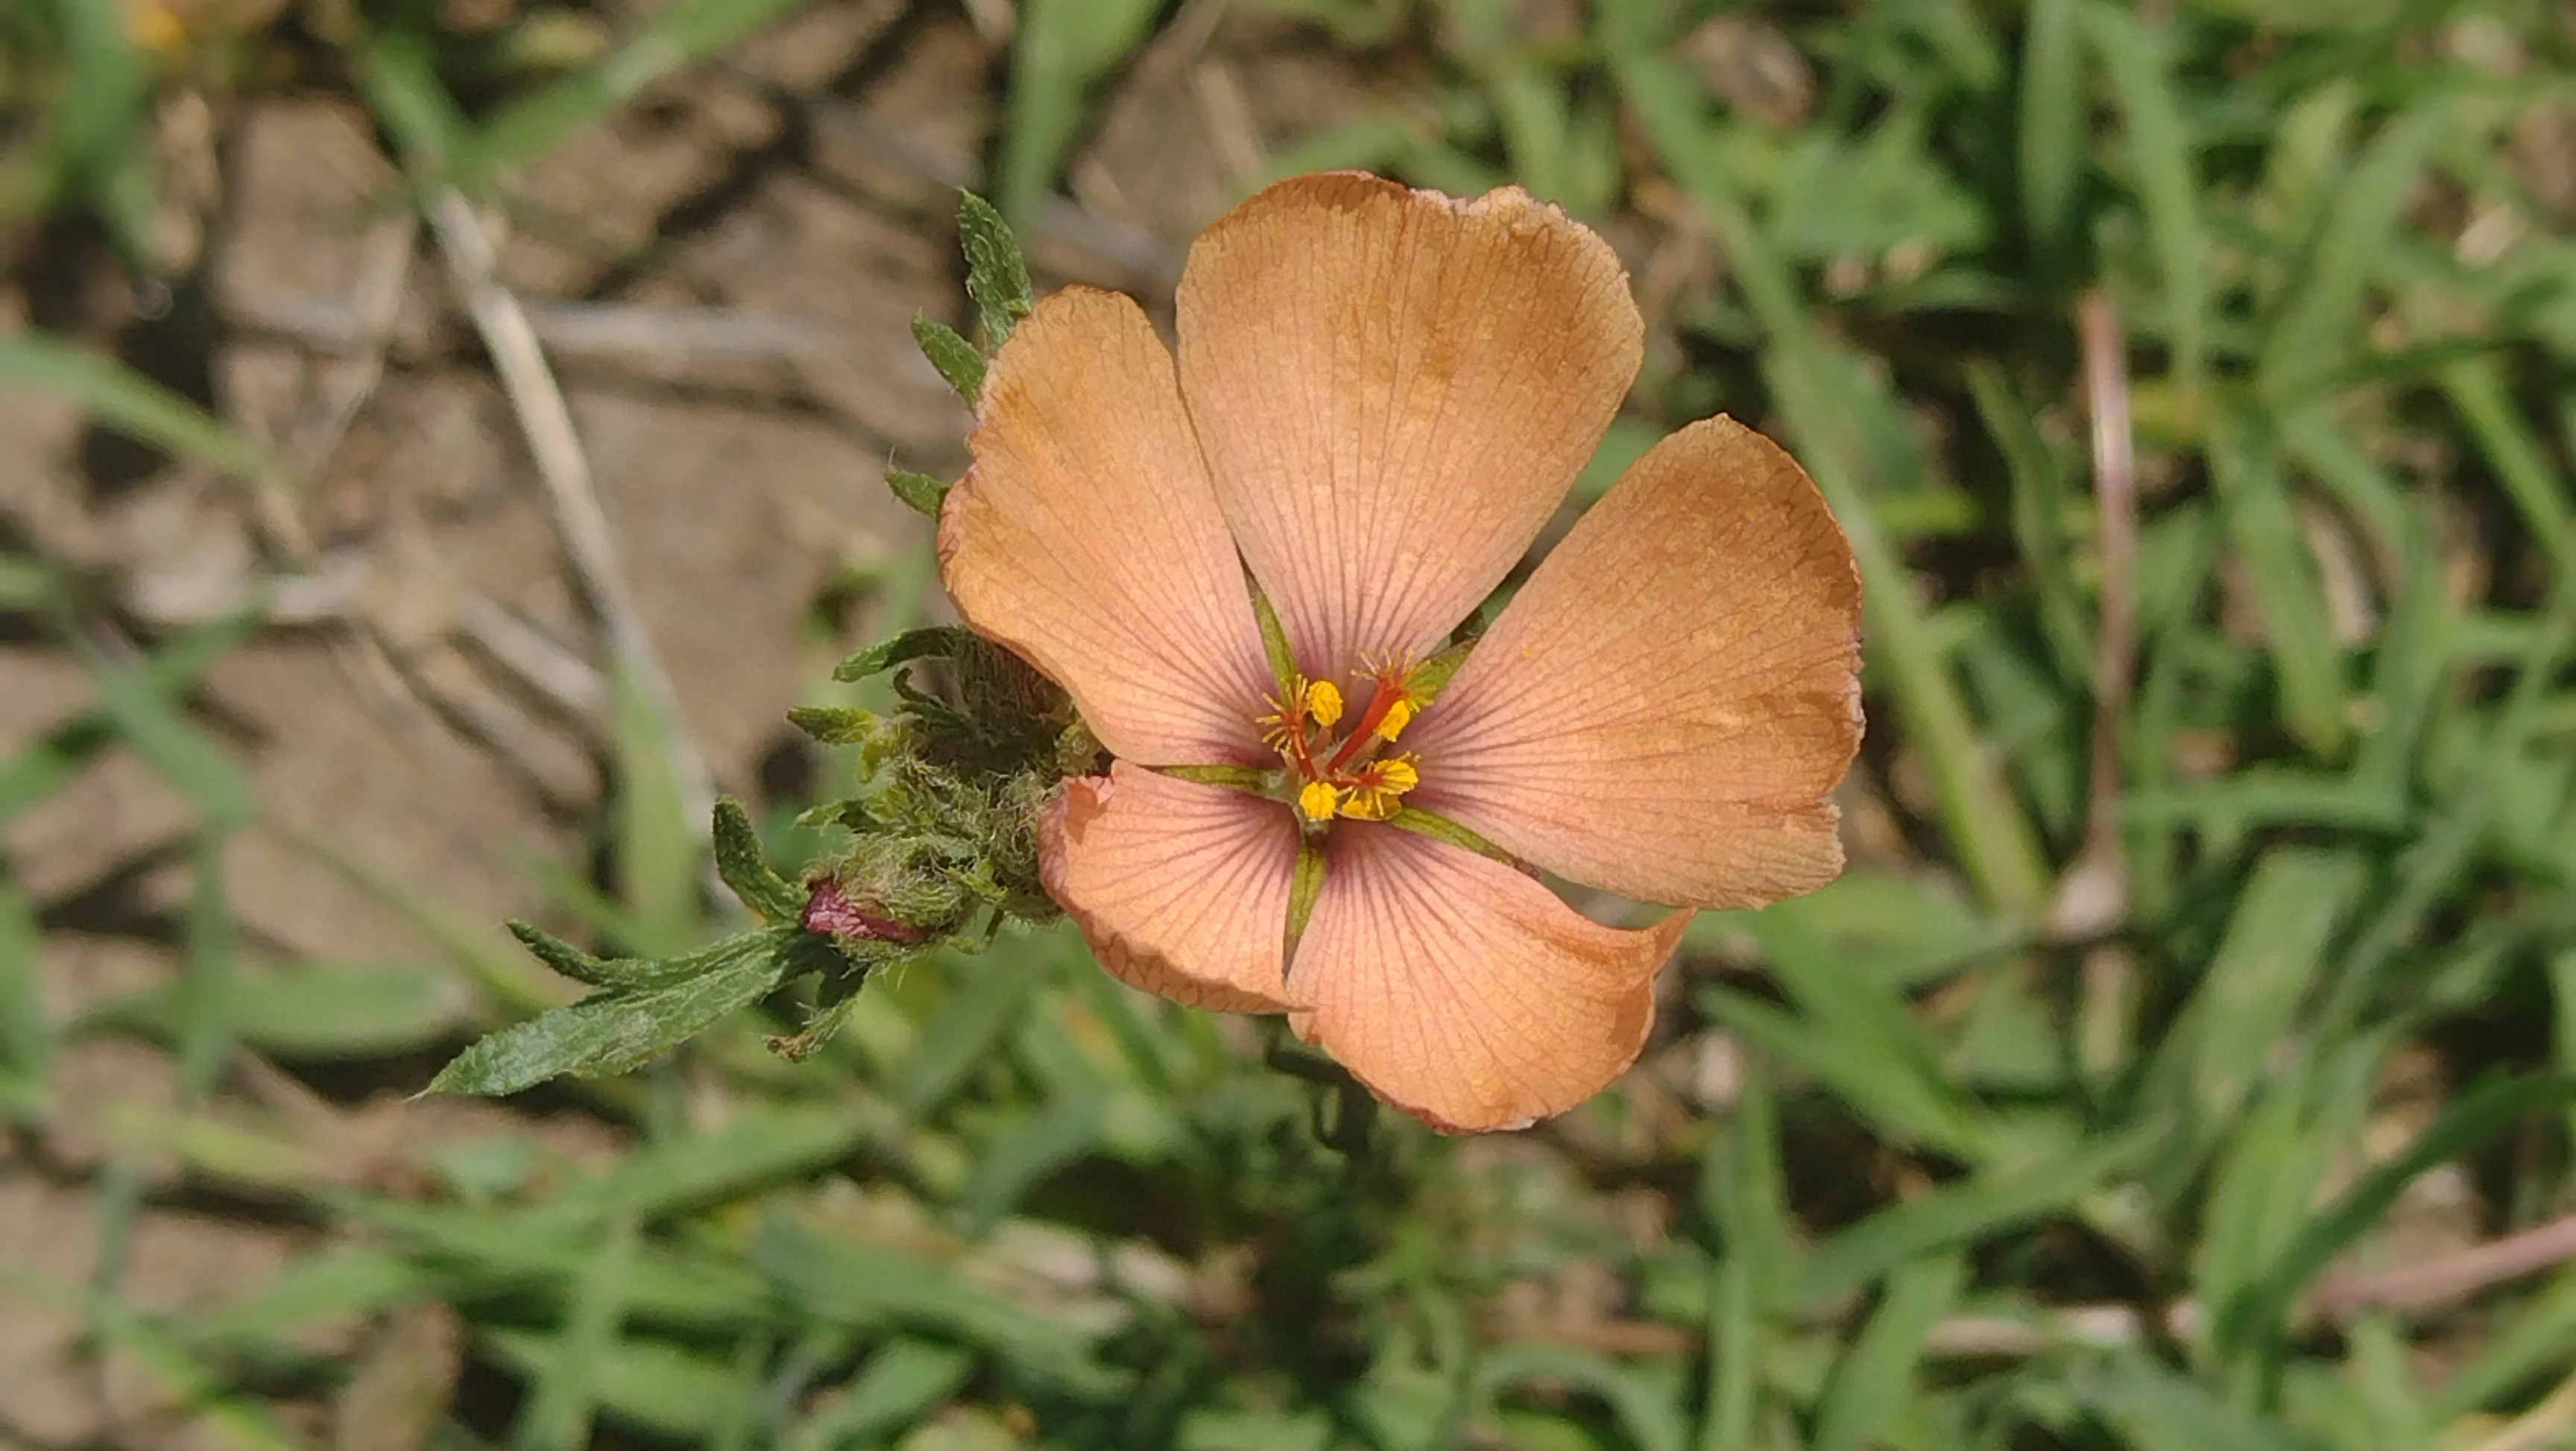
1737 1341
927 643
957 360
918 491
313 1288
2155 1409
620 973
835 725
614 1029
539 1262
2534 1340
745 868
997 277
1883 1077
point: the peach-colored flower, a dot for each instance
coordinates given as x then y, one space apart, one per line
1380 398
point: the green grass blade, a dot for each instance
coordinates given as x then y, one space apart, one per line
2259 1316
2307 662
1737 1344
1064 46
897 1388
2136 59
667 41
122 399
557 1416
2312 341
658 859
1968 1212
2053 129
155 685
1873 1380
2266 970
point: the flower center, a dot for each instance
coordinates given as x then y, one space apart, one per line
1347 772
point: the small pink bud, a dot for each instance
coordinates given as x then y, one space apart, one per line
830 912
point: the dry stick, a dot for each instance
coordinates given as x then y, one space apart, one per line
565 470
2452 1277
2115 484
2093 897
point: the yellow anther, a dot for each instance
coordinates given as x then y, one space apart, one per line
1324 703
1378 792
1319 801
1398 716
1367 803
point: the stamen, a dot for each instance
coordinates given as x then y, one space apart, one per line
1323 701
1391 708
1284 729
1398 716
1318 800
1374 794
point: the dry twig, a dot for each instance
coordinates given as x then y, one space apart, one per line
2451 1278
589 543
2093 895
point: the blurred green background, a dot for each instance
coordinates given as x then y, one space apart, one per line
439 440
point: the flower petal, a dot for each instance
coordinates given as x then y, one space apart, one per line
1180 888
1087 538
1662 709
1464 992
1395 389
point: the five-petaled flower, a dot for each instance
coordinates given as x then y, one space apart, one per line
1381 396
